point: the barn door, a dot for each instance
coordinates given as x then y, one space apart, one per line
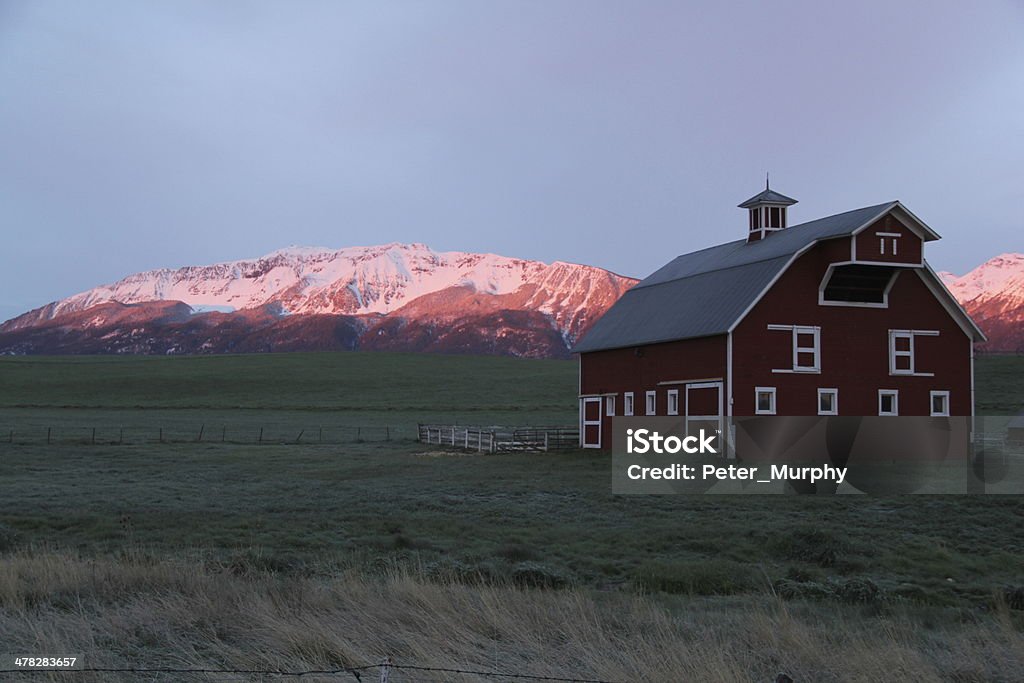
590 422
704 409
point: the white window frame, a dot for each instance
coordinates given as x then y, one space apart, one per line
815 349
894 354
931 403
651 403
894 236
627 404
672 404
757 400
822 301
835 400
609 405
895 402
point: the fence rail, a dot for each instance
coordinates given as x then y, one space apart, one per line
206 433
499 439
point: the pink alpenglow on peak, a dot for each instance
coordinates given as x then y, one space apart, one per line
993 293
396 296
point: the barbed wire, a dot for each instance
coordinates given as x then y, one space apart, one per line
170 670
350 670
498 674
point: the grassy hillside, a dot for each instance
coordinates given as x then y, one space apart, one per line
236 396
293 381
999 385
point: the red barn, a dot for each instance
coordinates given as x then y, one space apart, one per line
838 316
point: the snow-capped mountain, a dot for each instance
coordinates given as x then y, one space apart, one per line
993 293
400 296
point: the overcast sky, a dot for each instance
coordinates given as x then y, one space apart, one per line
137 135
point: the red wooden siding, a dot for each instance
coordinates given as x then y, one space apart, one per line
869 243
854 346
621 370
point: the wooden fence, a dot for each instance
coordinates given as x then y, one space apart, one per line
497 439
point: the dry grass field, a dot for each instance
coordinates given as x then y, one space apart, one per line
140 612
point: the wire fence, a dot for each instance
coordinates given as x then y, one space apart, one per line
209 433
367 673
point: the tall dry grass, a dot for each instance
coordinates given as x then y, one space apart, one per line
139 612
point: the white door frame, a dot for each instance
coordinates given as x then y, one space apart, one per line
584 422
706 418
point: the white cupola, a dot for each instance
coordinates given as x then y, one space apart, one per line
767 212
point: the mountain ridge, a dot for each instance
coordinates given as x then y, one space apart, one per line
500 304
402 297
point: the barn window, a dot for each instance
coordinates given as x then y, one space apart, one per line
673 401
652 402
857 285
828 401
764 398
939 403
806 347
774 217
609 406
888 402
627 403
755 219
902 360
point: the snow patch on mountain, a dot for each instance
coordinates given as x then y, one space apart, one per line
999 277
362 281
353 280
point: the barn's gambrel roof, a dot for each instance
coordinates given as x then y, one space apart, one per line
708 292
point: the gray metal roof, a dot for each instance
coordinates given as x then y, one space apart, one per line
767 196
705 292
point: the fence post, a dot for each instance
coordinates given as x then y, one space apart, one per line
201 428
453 435
385 670
93 436
299 437
479 440
387 433
359 433
48 435
545 442
259 439
466 445
161 435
